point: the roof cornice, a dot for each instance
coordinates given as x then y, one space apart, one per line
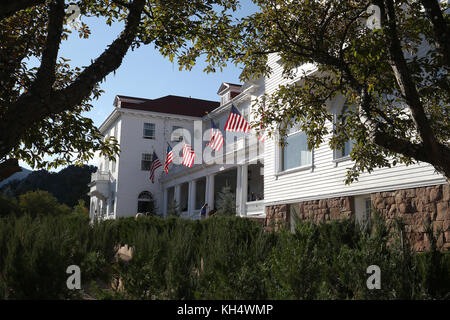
109 120
130 111
244 95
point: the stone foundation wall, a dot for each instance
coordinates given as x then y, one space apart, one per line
276 216
316 210
417 207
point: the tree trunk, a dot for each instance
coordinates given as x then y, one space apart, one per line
8 168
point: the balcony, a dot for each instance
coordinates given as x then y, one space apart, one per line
100 176
100 184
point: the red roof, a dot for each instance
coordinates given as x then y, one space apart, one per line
134 98
234 94
174 105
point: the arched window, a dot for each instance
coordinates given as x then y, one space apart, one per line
145 202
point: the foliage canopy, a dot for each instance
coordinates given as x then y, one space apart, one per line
41 108
395 79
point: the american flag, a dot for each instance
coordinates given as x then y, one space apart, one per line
216 140
261 136
236 122
155 165
188 156
169 159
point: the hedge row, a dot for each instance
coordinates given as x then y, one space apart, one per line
216 258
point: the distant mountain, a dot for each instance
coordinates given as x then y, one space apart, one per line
68 185
16 176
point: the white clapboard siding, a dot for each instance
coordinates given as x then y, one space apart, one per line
326 179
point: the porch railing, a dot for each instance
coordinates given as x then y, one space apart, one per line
255 207
100 176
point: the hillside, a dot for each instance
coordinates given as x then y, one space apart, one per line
16 176
68 185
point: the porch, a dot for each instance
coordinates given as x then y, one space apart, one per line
102 197
246 183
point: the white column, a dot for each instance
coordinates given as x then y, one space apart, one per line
210 191
191 198
97 207
244 188
177 194
238 190
165 200
207 192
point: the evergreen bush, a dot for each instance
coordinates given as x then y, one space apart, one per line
36 203
226 202
173 209
215 258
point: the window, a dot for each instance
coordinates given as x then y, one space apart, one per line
146 162
145 203
348 146
225 98
295 152
200 189
178 136
113 166
368 204
106 164
184 196
366 222
170 197
363 211
294 216
149 130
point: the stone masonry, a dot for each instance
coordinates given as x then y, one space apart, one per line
417 207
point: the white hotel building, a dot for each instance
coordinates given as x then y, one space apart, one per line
288 181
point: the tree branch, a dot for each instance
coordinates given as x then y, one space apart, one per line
29 109
45 76
8 8
405 82
417 151
108 61
440 28
121 3
414 151
8 168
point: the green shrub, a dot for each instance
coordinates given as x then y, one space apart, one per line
226 202
173 209
36 203
37 251
143 276
434 272
80 208
234 251
37 255
215 258
329 261
8 206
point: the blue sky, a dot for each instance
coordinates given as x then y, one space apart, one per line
144 72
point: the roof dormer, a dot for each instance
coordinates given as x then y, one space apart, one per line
228 91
